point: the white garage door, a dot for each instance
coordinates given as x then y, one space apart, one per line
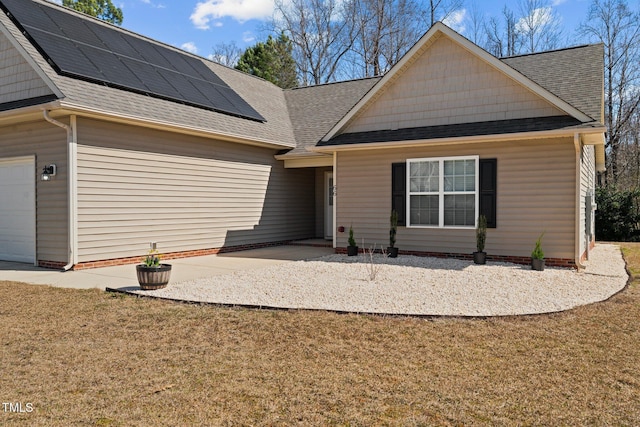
17 209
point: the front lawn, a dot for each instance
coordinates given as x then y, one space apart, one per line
94 358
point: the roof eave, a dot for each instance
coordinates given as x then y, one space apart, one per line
28 113
328 149
70 108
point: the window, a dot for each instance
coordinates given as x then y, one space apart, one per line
442 192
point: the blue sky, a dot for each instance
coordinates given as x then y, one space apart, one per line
198 25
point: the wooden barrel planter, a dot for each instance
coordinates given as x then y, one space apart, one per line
151 278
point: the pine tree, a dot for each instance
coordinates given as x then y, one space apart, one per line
271 60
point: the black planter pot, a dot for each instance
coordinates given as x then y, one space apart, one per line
151 278
480 257
352 250
537 264
392 252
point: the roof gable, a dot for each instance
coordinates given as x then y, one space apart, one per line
22 80
409 97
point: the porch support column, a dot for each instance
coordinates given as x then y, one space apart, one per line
335 197
578 201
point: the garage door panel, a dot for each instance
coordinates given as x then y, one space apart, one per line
17 209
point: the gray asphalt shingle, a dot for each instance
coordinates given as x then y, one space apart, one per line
575 75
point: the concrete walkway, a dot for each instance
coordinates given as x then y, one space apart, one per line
124 276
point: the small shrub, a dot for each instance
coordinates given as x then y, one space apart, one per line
152 259
394 228
537 251
352 241
481 233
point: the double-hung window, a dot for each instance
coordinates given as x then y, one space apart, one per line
443 192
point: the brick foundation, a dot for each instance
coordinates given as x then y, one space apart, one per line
164 256
52 264
592 245
550 262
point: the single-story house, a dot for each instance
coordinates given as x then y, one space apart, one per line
110 140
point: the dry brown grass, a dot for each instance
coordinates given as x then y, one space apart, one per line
93 358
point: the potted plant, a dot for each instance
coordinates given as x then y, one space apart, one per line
537 256
151 273
480 257
352 249
392 251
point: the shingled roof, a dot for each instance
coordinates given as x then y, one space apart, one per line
263 96
315 109
299 118
574 74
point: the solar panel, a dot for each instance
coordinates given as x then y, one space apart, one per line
64 50
89 50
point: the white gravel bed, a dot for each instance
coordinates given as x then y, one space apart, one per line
412 285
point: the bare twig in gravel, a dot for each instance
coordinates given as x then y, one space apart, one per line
372 267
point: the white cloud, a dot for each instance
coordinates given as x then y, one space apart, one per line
456 20
557 2
240 10
538 18
248 37
156 5
189 47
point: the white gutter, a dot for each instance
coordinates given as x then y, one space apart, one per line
578 147
72 180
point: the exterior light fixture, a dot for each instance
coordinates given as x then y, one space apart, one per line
48 172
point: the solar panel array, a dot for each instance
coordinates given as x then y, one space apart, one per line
89 50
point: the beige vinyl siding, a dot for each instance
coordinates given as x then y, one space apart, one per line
48 144
17 78
587 186
536 193
448 85
137 185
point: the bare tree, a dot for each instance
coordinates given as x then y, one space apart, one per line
502 39
440 10
226 54
477 25
539 26
614 24
321 34
384 30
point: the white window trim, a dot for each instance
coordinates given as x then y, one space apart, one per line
441 192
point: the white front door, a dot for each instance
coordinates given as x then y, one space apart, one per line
328 205
18 209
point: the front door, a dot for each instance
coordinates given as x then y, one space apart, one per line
328 205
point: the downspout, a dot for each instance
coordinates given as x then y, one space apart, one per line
578 147
72 180
335 197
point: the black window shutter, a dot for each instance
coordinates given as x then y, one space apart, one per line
488 190
398 190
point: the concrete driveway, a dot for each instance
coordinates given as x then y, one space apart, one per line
124 276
